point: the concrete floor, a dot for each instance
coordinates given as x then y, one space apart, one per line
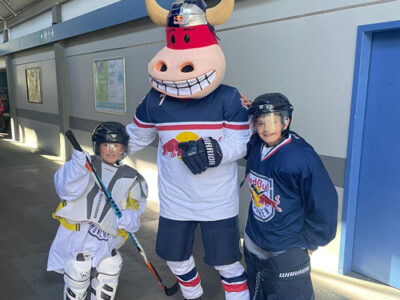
27 200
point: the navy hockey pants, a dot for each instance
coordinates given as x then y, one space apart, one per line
282 277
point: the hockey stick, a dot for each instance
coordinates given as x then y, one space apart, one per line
169 291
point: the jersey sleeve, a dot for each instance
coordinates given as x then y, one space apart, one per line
72 179
142 131
236 130
320 203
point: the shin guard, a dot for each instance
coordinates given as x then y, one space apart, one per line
104 284
188 278
234 281
77 279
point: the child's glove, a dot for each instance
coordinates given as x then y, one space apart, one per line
79 157
129 221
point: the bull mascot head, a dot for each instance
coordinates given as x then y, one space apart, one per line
192 65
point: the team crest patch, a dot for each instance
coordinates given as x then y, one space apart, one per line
264 203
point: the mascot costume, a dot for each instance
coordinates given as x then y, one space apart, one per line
203 130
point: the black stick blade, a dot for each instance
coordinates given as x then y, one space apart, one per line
172 290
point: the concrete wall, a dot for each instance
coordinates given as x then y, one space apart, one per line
307 52
38 123
134 43
304 49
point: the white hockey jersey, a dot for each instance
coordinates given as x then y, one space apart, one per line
88 224
212 195
93 205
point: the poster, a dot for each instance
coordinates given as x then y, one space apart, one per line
33 85
109 85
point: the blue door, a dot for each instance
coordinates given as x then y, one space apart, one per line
376 251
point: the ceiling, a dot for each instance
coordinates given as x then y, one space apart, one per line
17 11
10 8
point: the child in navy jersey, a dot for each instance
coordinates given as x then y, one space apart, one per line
293 207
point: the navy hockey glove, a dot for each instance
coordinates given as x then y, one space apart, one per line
200 155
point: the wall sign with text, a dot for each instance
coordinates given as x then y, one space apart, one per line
33 85
109 85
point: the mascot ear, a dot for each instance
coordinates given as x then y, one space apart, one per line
220 13
157 14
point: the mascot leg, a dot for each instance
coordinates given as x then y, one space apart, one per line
77 279
188 278
104 284
234 281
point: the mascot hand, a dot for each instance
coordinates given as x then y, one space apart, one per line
245 102
200 155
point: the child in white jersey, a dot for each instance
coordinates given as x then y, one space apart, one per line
86 243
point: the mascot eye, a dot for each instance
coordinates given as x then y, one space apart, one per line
187 38
163 68
172 39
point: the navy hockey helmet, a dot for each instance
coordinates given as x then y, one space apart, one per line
110 132
270 102
276 103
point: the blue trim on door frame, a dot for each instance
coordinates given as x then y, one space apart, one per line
355 138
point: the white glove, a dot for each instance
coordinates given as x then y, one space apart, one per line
79 157
129 221
72 179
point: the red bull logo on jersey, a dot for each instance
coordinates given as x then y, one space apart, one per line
264 203
170 148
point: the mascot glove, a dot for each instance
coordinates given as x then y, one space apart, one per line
129 221
79 157
200 155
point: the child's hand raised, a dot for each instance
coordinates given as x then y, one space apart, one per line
79 157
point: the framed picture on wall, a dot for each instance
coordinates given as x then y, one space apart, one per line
33 85
109 85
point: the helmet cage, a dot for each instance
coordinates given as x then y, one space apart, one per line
283 114
275 103
110 132
96 149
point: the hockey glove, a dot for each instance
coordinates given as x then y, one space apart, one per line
200 155
129 221
79 158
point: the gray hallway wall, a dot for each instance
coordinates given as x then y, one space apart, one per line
303 49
